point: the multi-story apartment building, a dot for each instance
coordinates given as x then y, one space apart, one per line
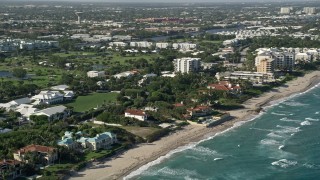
186 65
266 66
281 61
285 10
309 10
284 60
141 44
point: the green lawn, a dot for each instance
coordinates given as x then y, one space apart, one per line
59 167
85 103
96 155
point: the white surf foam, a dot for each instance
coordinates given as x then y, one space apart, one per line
317 112
217 159
285 119
284 163
281 147
305 123
311 119
311 166
269 142
274 135
278 114
294 104
288 129
203 151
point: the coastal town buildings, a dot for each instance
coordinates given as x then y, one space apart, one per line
271 60
253 77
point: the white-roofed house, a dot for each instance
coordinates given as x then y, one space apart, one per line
48 97
15 103
54 113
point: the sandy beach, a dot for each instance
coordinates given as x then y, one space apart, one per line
123 164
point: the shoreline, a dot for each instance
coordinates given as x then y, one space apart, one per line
142 156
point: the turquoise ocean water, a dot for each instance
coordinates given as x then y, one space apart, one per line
282 143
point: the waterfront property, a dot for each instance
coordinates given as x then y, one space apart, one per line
68 140
225 86
45 155
199 111
100 141
137 114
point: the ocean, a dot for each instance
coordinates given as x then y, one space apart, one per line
281 143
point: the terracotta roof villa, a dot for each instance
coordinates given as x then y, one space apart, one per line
137 114
225 86
48 154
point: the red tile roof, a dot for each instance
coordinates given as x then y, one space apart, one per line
136 112
178 105
223 86
36 148
218 87
199 108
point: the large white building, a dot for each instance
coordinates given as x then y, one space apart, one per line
184 46
186 65
48 97
141 44
285 10
162 45
118 44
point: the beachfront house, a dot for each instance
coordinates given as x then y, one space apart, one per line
199 111
137 114
45 155
68 141
226 86
100 141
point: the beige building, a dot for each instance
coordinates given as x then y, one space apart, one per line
266 66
